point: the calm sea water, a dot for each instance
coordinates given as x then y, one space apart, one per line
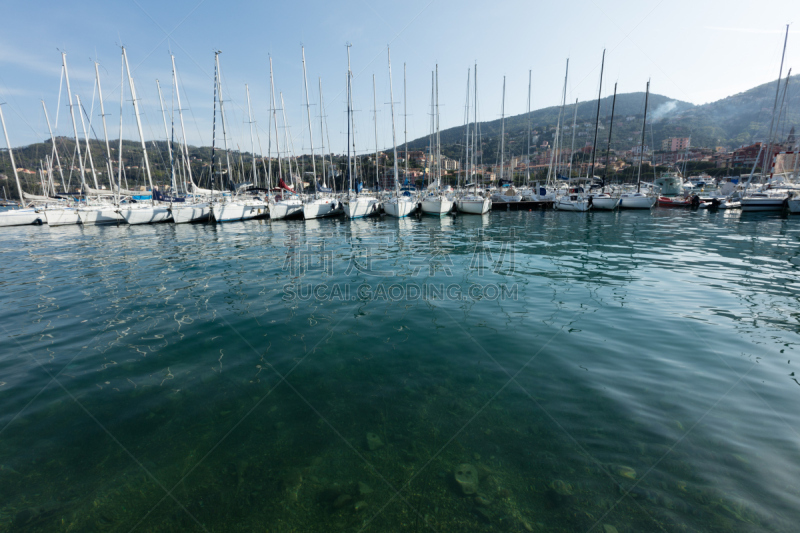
628 370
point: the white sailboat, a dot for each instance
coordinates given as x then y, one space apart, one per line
399 205
194 209
472 203
638 199
142 213
23 216
436 202
359 204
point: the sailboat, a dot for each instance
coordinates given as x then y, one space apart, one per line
25 215
576 200
606 200
288 205
436 202
399 205
195 208
472 203
61 215
142 213
638 199
769 197
103 209
359 204
321 204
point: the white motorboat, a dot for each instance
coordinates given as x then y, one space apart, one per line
400 206
637 200
436 204
572 202
361 206
61 216
145 214
474 204
186 212
21 217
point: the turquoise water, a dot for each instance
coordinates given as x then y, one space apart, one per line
632 370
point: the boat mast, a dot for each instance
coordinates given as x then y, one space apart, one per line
139 125
53 140
375 119
597 116
572 147
553 149
405 121
641 148
183 130
321 131
105 129
347 89
610 129
222 117
120 166
74 123
433 129
214 125
502 130
774 106
466 131
86 136
438 139
166 133
252 143
394 138
11 155
308 113
287 139
528 163
475 130
277 137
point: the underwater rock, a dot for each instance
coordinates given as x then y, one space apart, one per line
560 487
342 500
481 501
360 506
467 478
374 442
484 515
364 489
609 528
626 471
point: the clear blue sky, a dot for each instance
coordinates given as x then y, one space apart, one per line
698 51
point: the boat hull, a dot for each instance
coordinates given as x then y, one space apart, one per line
436 207
62 217
361 207
93 216
281 210
572 205
252 211
190 213
474 207
20 217
605 204
146 215
399 209
762 204
637 202
321 209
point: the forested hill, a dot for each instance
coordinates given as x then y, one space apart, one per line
731 122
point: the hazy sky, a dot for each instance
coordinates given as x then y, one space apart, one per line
697 51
